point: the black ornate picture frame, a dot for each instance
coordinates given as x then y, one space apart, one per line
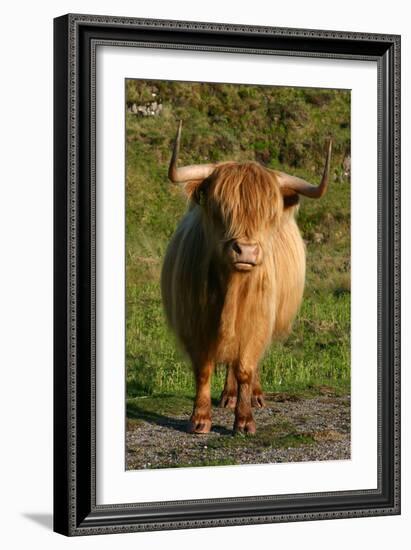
76 38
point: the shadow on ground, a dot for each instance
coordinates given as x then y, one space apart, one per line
45 520
177 424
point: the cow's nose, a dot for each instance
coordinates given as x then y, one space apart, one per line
245 252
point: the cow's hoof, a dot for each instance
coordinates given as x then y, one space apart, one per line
257 401
199 425
244 426
227 401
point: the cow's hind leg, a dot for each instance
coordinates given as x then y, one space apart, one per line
228 397
244 421
257 397
200 421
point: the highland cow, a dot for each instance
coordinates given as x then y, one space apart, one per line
233 275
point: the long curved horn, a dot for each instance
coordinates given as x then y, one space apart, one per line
301 186
186 173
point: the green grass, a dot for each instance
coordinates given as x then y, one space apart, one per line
154 406
282 128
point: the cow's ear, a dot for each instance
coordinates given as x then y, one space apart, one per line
290 198
196 190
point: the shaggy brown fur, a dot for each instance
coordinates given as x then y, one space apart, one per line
220 312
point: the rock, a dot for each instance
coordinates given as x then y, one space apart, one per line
347 166
152 108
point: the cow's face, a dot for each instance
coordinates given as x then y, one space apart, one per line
242 205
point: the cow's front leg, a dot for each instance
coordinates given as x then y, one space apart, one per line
200 421
228 397
257 396
244 421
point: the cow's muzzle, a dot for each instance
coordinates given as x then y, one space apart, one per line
244 255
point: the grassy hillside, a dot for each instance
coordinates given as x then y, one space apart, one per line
282 128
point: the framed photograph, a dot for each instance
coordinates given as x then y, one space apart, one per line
227 277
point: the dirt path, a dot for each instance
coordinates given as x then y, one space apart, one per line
289 429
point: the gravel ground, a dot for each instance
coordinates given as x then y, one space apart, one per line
289 429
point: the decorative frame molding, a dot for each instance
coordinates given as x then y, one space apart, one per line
75 43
